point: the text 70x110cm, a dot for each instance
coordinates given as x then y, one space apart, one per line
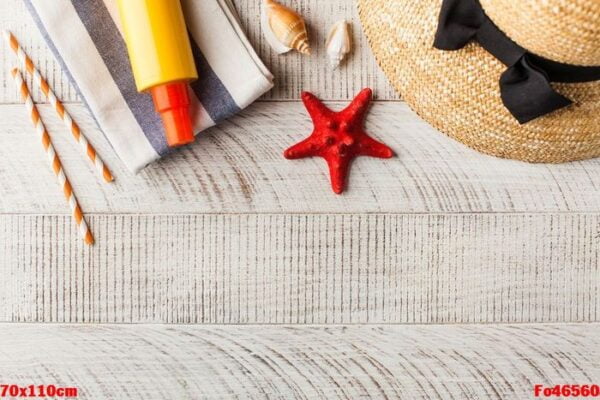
11 391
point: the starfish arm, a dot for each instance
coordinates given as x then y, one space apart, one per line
315 107
372 148
356 111
338 170
305 148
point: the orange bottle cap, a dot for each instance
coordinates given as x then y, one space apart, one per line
172 102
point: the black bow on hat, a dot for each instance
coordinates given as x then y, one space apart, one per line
525 85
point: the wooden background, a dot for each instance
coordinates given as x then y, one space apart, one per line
441 273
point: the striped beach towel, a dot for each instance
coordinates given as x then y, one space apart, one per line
86 39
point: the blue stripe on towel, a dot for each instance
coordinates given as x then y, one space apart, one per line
111 47
209 89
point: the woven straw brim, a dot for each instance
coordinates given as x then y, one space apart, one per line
458 91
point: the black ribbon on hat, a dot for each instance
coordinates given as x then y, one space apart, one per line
525 85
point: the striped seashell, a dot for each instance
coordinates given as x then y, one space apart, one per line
284 28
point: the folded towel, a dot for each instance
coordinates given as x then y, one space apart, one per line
85 37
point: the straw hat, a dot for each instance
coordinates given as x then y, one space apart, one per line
464 90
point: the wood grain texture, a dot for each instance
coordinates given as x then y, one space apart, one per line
293 72
342 362
238 167
302 269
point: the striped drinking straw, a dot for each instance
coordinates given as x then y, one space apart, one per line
53 158
87 148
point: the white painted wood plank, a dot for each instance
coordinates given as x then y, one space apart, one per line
302 269
239 167
293 71
342 362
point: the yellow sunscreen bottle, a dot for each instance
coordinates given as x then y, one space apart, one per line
162 61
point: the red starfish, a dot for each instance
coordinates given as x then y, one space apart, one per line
338 137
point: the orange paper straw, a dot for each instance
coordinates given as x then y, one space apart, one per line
87 148
53 158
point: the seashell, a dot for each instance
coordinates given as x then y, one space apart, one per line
284 28
339 43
